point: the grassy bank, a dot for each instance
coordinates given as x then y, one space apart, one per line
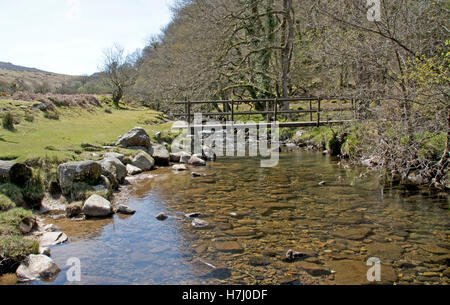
45 138
60 134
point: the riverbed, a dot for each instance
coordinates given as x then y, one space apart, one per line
254 216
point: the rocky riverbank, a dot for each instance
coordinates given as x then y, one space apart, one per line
89 189
342 148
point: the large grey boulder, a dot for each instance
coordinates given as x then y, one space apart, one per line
208 153
97 206
133 170
160 154
135 137
114 170
13 172
84 171
143 161
179 167
180 157
52 238
124 209
196 161
121 157
36 267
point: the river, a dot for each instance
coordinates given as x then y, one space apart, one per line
254 216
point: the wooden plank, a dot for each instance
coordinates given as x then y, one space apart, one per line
281 124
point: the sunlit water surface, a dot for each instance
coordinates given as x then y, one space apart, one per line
255 215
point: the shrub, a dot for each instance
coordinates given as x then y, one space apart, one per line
8 121
51 115
29 117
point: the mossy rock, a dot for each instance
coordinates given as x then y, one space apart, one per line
13 192
13 250
6 203
11 219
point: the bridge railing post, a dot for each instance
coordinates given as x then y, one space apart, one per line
189 112
232 111
275 109
318 112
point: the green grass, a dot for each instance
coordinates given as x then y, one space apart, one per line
10 220
74 126
6 203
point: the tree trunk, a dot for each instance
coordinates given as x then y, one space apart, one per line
443 163
287 41
117 96
13 172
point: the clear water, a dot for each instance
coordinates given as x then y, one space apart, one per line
339 225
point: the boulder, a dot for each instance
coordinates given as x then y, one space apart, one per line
179 167
13 172
196 161
143 161
160 154
27 224
37 267
133 170
74 209
52 238
44 251
114 170
121 157
135 137
199 223
84 171
124 209
208 153
161 216
97 206
185 157
180 157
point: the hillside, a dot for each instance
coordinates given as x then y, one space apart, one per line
10 66
30 78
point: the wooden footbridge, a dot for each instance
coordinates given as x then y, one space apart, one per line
318 115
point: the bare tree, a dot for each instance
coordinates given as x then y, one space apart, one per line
120 72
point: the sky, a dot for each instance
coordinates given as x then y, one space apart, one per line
69 36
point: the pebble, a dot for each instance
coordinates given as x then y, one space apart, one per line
161 216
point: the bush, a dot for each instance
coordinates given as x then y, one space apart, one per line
8 121
13 250
13 192
51 115
29 117
5 203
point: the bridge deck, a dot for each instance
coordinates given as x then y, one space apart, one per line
280 124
